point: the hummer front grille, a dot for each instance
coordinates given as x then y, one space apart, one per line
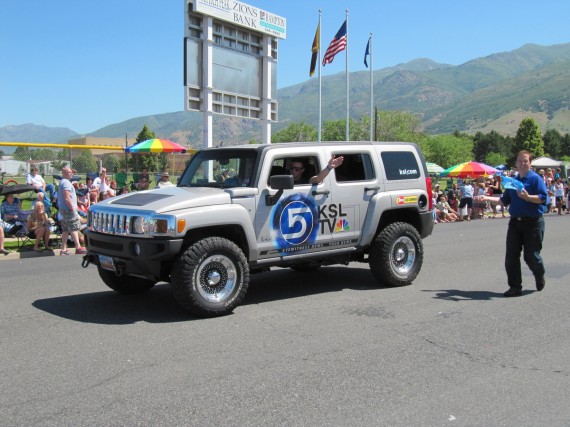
110 223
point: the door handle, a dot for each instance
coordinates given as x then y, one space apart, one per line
371 188
318 193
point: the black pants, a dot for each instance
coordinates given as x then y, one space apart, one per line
525 235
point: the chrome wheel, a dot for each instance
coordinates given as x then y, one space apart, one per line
403 256
217 277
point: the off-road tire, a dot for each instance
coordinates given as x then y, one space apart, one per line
211 277
127 285
396 255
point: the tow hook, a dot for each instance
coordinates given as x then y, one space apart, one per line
87 259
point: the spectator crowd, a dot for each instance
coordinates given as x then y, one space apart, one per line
458 202
45 216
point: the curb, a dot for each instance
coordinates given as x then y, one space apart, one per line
13 256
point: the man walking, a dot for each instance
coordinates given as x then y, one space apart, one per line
526 226
67 204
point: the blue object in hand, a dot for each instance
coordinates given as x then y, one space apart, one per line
511 183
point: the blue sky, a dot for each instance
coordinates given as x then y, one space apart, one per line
87 64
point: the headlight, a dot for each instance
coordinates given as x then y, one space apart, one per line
138 225
150 226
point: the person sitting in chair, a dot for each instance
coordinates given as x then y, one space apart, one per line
10 209
38 226
164 181
38 182
144 180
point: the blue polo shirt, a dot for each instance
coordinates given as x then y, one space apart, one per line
534 185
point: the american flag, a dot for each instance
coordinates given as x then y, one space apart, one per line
338 44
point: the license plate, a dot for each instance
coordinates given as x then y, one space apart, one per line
106 262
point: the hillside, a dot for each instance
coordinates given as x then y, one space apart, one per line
490 93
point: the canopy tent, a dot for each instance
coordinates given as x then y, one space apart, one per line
546 162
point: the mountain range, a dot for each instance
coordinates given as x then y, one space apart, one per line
490 93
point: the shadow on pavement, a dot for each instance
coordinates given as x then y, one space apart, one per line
159 306
462 295
112 308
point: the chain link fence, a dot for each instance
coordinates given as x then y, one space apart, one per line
124 168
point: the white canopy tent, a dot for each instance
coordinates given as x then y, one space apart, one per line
546 162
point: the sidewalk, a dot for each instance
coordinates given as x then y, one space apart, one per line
27 252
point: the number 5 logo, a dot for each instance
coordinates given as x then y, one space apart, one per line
294 227
294 222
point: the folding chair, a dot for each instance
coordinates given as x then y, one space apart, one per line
23 235
121 179
134 184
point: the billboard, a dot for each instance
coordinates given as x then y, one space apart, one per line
244 15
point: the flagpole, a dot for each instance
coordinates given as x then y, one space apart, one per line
320 81
371 85
347 83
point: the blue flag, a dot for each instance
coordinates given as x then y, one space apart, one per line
367 52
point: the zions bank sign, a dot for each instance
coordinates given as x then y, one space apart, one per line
244 15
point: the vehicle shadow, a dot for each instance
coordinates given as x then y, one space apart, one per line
285 283
111 308
159 306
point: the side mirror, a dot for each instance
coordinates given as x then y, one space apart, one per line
280 182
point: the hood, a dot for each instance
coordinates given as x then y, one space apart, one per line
167 199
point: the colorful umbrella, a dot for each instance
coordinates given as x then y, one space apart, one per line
155 145
469 169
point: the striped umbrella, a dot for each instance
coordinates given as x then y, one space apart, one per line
155 145
433 168
469 169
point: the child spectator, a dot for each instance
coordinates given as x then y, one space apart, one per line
446 214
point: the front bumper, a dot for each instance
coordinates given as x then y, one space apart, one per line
142 257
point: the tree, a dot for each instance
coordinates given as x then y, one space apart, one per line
162 162
484 144
528 138
85 162
111 163
447 150
144 160
145 134
21 153
565 146
398 126
495 159
335 130
552 143
295 132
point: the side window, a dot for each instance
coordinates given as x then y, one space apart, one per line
400 165
277 168
301 167
355 167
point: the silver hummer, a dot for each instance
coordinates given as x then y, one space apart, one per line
238 210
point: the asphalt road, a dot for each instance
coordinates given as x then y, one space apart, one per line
329 348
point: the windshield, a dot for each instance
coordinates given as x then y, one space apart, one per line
220 168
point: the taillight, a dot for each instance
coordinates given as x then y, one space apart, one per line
429 192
